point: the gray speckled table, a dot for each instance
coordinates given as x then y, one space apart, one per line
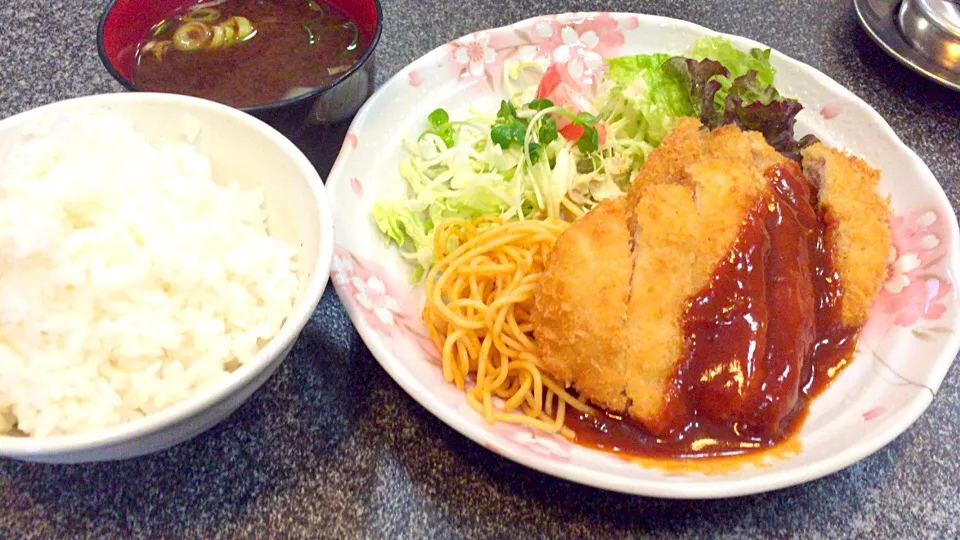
330 446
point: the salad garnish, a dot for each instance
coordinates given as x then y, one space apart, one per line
553 151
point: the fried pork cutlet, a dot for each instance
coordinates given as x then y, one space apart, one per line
609 314
687 143
857 220
668 163
682 231
625 346
664 276
579 307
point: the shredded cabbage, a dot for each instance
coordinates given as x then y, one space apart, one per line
455 169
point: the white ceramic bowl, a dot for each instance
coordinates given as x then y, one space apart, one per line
250 152
904 352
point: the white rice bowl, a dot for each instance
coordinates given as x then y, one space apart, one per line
133 285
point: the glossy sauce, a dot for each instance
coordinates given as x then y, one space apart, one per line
298 45
763 339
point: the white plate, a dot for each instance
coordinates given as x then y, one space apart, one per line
905 350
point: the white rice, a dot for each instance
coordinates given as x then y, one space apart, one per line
129 280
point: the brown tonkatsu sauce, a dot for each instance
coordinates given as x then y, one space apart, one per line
763 339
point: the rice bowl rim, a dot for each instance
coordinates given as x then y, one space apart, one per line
27 446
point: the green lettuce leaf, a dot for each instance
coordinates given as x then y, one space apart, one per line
720 84
658 95
408 228
763 109
737 63
700 78
747 103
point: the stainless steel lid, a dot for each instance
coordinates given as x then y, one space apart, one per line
933 28
923 35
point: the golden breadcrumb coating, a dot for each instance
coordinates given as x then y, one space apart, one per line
579 308
682 233
663 278
667 163
858 225
725 191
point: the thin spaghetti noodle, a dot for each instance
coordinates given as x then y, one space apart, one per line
478 312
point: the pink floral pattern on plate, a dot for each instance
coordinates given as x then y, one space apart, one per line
917 282
518 437
414 78
528 440
831 111
350 143
356 186
579 45
576 43
873 413
385 306
914 297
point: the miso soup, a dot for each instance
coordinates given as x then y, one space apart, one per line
247 52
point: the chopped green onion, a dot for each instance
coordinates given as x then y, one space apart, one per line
160 27
355 40
438 118
314 34
201 15
192 36
229 33
245 28
441 127
219 37
310 35
157 48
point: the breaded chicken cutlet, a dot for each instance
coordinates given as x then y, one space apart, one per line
609 312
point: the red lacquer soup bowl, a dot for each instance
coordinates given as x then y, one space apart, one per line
124 23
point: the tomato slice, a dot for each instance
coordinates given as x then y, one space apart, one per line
563 91
549 82
571 132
